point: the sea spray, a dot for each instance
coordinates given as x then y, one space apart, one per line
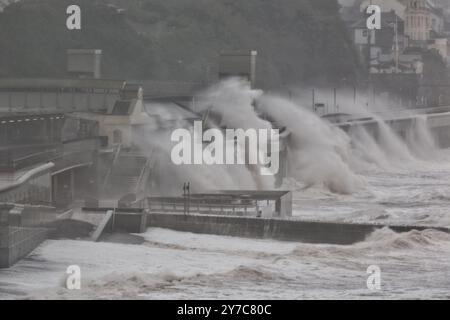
383 146
167 178
367 154
420 140
230 103
392 144
227 104
319 152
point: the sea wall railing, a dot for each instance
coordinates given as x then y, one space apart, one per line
217 205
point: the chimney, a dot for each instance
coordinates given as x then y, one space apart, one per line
84 63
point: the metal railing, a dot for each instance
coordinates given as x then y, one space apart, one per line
116 154
35 158
16 158
200 206
12 161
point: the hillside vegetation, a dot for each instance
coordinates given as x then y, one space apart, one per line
297 40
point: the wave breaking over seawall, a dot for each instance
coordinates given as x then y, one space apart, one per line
320 154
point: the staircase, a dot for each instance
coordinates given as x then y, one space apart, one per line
125 176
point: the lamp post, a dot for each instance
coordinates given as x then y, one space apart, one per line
186 196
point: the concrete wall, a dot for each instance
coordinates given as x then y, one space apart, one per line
33 187
132 220
121 123
17 242
442 136
127 222
284 205
37 216
22 230
280 229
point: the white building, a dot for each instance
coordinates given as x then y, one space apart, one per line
422 19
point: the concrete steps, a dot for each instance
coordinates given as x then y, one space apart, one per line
125 175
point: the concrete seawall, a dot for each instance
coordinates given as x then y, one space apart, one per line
17 242
279 229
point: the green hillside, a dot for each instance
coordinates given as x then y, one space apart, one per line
297 40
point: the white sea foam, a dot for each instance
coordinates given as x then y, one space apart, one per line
173 265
